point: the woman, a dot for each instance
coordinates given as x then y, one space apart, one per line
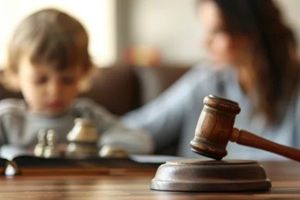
252 59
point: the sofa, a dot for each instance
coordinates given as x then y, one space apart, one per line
123 87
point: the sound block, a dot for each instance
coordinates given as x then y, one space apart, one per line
210 176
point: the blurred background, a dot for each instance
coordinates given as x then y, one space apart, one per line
137 31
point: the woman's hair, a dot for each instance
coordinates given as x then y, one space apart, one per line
276 64
49 37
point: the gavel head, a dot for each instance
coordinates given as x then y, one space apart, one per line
214 127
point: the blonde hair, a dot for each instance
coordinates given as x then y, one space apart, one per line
50 37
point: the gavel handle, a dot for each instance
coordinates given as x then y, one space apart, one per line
249 139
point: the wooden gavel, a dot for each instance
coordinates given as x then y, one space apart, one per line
215 129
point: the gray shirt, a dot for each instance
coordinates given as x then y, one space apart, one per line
175 114
19 128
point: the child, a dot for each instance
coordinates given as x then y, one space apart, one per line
47 61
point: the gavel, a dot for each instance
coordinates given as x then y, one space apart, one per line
215 129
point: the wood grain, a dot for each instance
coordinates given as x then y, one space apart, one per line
285 178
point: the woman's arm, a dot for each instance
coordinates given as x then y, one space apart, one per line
164 116
113 132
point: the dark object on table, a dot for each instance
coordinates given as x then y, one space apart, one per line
31 165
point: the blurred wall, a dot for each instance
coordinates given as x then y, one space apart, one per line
98 17
171 26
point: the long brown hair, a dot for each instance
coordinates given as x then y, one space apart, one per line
276 65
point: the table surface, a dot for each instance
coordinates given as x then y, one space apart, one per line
135 184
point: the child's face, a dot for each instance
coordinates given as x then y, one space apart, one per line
47 91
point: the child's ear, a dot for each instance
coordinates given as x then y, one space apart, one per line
84 84
85 80
10 80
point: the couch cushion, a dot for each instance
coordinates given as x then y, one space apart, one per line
116 88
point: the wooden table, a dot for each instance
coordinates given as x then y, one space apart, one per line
135 184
